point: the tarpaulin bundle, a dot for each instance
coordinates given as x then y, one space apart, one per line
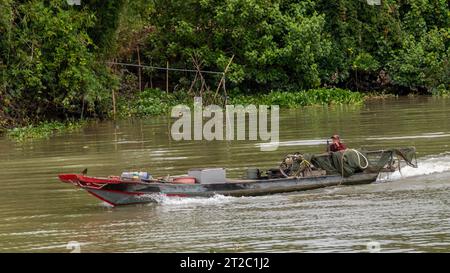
352 161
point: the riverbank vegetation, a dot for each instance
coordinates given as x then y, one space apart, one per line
152 102
312 97
59 62
43 130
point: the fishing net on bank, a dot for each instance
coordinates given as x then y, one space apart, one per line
349 162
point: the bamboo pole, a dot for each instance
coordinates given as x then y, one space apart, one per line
225 92
198 65
114 104
113 99
140 69
151 78
223 76
193 83
167 77
82 108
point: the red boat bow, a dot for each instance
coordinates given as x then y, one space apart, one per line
68 178
89 182
74 178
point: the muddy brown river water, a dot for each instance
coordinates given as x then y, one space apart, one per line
407 212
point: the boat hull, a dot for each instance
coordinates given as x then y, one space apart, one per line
116 192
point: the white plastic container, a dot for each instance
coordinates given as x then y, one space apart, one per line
208 176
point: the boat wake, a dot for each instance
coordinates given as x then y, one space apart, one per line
191 201
427 165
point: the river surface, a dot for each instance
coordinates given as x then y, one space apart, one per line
407 212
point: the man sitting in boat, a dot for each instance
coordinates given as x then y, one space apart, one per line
336 144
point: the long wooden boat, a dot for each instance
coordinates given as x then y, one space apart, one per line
297 172
116 191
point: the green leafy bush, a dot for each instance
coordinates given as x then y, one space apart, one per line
277 44
150 102
43 130
51 70
302 98
365 62
424 61
441 91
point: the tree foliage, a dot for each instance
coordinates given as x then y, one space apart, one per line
50 66
52 55
276 44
